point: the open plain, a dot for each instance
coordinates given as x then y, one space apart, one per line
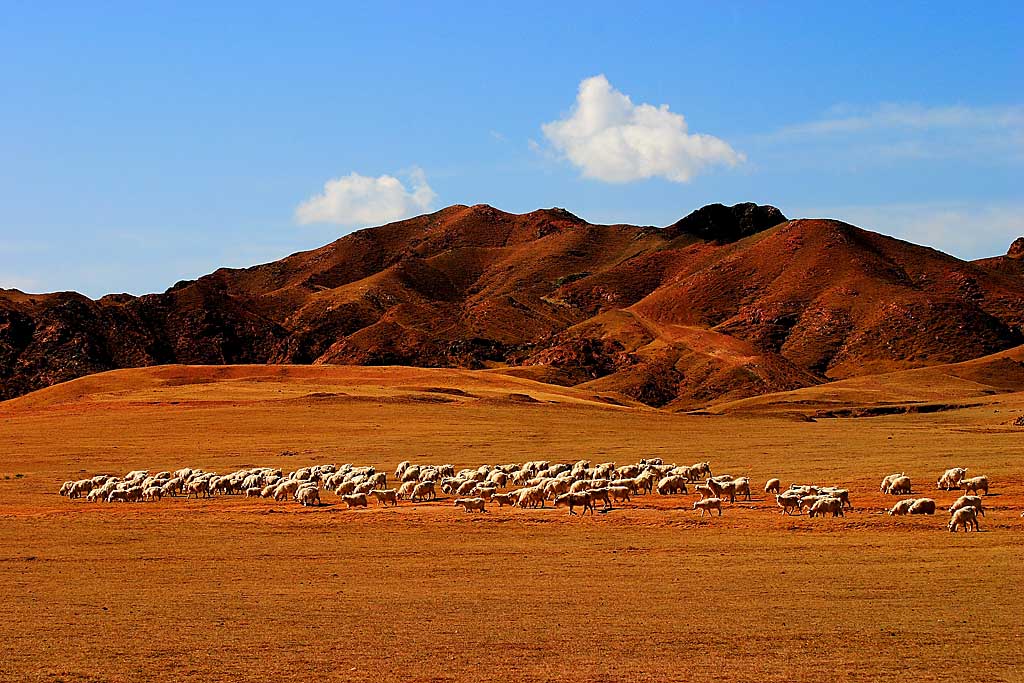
230 588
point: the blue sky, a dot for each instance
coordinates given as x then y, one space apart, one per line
144 143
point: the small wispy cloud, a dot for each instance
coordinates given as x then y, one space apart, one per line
963 229
911 117
358 200
611 139
908 132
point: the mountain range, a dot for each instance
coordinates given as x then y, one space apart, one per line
725 304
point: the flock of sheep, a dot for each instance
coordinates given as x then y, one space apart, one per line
581 485
963 512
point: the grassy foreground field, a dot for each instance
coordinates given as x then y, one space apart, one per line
232 589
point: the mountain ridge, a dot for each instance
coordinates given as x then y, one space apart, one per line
726 303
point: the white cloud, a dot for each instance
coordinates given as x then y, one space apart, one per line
609 138
965 230
358 200
913 117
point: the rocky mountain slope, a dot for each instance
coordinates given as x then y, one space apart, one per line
728 302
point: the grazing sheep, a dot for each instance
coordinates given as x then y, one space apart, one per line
773 486
707 505
803 490
922 506
406 489
809 501
966 518
601 494
465 488
557 487
502 499
899 486
841 494
704 491
471 504
728 490
902 507
968 501
975 484
578 486
825 505
887 482
378 481
672 484
619 493
575 500
117 496
411 474
355 500
647 481
385 496
197 488
400 470
483 491
254 492
308 495
80 488
423 491
152 493
631 484
951 478
788 502
133 494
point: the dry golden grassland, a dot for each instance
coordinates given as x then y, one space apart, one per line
232 589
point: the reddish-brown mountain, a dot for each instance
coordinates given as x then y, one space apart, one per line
728 302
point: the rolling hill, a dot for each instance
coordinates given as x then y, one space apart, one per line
725 304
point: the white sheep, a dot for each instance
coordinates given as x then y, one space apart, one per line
772 486
197 488
354 500
502 499
966 518
902 507
707 505
405 490
951 478
975 484
575 500
385 496
423 491
601 494
826 505
400 470
672 484
471 504
619 493
788 502
308 495
899 486
887 481
968 501
922 506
